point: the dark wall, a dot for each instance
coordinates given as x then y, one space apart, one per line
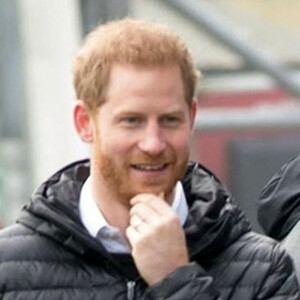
252 163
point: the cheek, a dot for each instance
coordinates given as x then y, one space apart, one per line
117 144
181 143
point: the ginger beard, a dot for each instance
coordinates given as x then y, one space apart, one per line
115 173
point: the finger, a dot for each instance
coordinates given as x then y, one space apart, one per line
135 220
132 235
160 206
144 212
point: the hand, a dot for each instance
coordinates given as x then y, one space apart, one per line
156 237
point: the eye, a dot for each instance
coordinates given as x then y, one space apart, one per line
131 121
170 121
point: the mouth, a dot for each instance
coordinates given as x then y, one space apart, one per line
149 167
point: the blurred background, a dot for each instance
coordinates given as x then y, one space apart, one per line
248 122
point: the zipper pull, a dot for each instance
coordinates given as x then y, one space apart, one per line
130 290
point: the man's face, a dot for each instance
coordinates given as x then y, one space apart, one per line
143 130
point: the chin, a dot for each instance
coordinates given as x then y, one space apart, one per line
156 190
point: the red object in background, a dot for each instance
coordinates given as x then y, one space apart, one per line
211 148
242 99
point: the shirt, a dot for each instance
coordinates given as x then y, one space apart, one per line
110 236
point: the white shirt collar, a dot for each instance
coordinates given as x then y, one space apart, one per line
91 216
93 219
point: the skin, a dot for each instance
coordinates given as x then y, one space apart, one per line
140 140
157 239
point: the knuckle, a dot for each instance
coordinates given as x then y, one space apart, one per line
136 209
172 219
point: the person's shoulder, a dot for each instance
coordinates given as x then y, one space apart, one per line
264 258
14 237
13 232
264 249
259 242
20 243
273 265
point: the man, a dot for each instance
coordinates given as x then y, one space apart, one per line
137 221
279 209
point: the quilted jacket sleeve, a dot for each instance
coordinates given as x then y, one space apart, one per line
188 282
192 282
281 282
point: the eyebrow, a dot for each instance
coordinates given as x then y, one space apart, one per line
139 113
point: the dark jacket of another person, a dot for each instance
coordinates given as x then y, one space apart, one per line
279 209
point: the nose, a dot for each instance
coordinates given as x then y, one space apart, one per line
152 142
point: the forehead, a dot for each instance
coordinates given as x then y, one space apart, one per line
128 81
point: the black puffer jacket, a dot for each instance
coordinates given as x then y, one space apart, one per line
279 201
49 255
279 209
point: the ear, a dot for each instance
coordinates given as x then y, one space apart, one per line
83 121
193 113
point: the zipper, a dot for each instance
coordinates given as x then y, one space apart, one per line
130 290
